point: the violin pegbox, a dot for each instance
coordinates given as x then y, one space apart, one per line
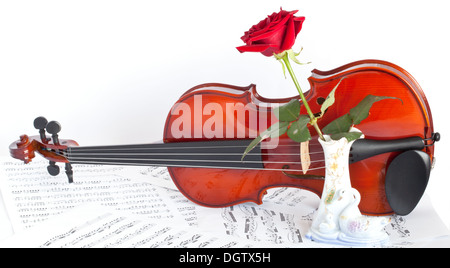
52 149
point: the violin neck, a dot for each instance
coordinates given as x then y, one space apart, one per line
207 154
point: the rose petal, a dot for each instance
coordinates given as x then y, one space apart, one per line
280 23
292 30
253 48
272 37
272 22
289 36
270 51
298 23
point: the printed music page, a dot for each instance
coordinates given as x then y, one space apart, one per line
115 206
31 195
97 226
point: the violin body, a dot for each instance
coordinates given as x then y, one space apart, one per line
221 107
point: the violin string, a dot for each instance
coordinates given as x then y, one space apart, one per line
198 166
75 155
115 161
198 154
189 160
145 147
103 150
82 154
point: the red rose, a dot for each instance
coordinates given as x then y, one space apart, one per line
275 34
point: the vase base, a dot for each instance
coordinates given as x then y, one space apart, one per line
342 239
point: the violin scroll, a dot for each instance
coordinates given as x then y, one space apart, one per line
22 149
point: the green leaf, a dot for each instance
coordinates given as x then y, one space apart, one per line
361 111
276 130
288 112
329 100
297 54
293 56
350 136
339 125
299 129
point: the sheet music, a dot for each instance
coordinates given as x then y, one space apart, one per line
32 196
156 175
140 213
287 227
90 226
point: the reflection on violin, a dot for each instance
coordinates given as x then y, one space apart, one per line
209 127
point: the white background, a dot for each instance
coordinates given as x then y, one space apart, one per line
109 71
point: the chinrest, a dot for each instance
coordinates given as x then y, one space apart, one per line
406 180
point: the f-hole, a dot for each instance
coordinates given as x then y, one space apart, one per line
320 101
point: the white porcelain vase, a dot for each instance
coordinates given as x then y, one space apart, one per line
338 219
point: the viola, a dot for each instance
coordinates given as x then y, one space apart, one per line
209 127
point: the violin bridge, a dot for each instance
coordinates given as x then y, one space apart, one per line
305 158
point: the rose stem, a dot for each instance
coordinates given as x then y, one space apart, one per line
297 85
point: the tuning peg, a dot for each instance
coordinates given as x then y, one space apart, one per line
69 172
40 123
54 128
53 169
